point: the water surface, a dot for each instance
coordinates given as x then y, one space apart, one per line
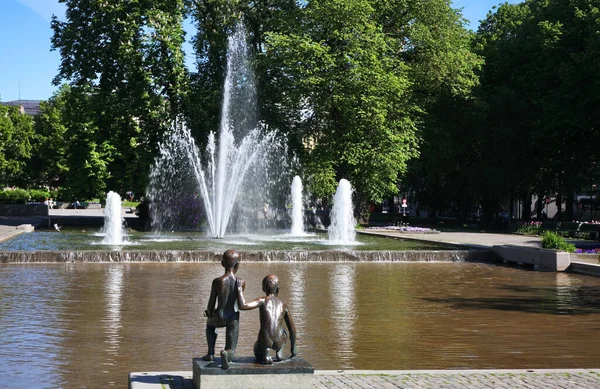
91 239
88 325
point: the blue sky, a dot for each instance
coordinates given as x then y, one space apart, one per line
27 66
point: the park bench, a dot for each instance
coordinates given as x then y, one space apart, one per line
589 230
549 226
571 228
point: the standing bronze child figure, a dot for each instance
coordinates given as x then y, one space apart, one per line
273 312
224 293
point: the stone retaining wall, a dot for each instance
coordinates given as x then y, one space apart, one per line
18 210
249 256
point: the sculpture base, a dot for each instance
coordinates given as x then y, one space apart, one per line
245 373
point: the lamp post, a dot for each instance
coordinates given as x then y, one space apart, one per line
592 202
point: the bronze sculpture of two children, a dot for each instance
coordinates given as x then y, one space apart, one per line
227 298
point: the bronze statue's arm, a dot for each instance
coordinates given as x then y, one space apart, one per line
210 309
242 301
292 329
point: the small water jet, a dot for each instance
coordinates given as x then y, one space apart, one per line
297 208
341 230
113 221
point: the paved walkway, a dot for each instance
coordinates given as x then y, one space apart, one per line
7 232
417 379
458 379
474 239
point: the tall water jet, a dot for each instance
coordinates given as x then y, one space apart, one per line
113 229
297 207
341 229
220 174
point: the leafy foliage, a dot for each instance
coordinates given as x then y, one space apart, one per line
550 240
14 196
16 133
124 63
348 82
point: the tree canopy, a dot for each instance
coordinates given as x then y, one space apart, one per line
16 133
388 94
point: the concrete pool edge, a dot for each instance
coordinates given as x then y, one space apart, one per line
342 379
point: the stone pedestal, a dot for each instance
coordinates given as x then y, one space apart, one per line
245 373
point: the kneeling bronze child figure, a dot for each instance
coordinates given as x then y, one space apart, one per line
222 310
273 312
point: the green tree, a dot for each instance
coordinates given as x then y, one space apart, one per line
538 82
125 65
47 165
348 82
436 46
16 133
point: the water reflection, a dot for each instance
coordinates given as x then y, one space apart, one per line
296 300
114 291
88 325
343 312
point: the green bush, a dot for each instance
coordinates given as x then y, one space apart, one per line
551 240
14 196
39 195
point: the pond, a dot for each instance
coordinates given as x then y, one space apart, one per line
89 325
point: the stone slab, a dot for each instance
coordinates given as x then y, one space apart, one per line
541 259
588 269
389 379
161 380
26 227
244 373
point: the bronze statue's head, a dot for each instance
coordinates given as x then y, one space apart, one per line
270 284
231 260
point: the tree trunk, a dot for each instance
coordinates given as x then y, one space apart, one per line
539 207
569 206
559 214
527 206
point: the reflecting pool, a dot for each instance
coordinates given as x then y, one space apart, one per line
88 325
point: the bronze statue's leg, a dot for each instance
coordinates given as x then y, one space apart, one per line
211 339
268 360
279 344
231 335
225 359
261 353
279 356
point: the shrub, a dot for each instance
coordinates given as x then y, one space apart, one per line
39 195
14 196
551 240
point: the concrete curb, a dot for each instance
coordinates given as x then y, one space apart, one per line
464 379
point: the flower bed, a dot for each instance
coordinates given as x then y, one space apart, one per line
408 229
579 250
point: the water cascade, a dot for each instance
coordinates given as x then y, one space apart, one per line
231 171
113 222
341 229
297 208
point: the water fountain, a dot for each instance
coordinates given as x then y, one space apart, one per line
341 230
297 208
113 221
228 165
